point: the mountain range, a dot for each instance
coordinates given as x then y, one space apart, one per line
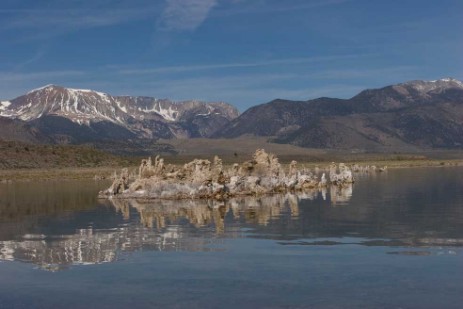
64 115
412 114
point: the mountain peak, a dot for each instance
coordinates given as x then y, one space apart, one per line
434 85
53 87
447 80
49 86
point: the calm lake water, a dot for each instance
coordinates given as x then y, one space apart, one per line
393 240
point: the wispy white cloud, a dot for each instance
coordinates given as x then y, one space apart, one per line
364 73
36 56
65 17
185 15
56 18
305 5
242 89
246 89
37 76
72 19
13 84
269 6
287 61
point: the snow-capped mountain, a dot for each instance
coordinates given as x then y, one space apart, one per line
79 105
143 116
401 116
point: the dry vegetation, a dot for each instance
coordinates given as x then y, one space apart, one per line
21 161
237 149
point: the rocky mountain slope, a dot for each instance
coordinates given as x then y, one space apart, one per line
17 130
405 116
411 114
67 115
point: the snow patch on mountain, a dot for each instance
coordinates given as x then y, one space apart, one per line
41 88
4 105
4 109
101 94
448 80
169 113
121 107
434 85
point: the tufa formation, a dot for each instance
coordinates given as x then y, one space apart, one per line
203 179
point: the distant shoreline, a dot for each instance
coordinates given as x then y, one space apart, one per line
105 173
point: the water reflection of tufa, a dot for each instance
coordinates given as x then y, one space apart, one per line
164 225
340 194
161 213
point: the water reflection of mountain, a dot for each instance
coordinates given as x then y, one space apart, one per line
156 226
89 246
65 226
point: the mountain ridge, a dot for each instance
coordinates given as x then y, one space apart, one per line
145 117
410 114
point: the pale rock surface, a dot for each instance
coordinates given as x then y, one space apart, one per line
201 178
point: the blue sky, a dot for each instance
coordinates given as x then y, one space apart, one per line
244 52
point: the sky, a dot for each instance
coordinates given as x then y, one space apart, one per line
244 52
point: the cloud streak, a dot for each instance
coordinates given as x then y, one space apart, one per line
242 89
265 7
47 21
204 67
13 84
185 15
38 76
72 19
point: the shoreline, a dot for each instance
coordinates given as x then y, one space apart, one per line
105 173
51 174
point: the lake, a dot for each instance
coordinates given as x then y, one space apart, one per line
392 240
